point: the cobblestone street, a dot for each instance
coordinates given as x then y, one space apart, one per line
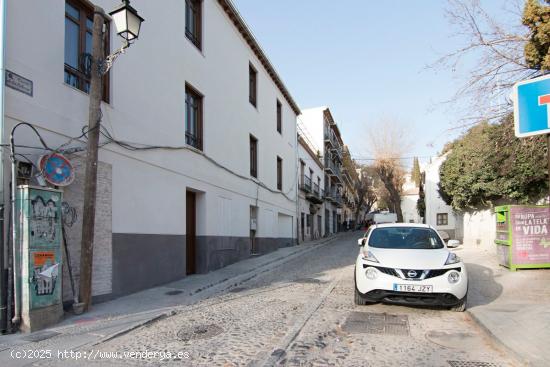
302 314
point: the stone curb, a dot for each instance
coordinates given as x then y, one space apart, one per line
133 327
497 340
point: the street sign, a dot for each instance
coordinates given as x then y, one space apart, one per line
19 83
532 106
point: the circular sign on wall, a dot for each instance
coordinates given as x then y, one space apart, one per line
56 169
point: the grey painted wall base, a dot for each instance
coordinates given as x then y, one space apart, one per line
142 261
215 252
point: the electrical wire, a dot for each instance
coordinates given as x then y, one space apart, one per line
132 146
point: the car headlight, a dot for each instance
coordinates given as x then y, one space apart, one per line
453 277
452 259
371 273
369 256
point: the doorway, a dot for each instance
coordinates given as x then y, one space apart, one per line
302 227
191 232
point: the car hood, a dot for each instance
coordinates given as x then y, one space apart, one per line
410 259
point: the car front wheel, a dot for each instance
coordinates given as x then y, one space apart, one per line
461 306
359 299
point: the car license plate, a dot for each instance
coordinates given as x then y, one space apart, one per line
417 288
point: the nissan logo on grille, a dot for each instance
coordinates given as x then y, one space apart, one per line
412 274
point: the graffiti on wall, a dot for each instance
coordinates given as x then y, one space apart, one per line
44 219
68 214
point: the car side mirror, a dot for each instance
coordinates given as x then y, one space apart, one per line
361 242
453 243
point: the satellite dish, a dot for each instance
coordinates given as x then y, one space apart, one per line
56 169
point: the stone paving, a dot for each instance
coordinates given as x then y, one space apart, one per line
513 306
387 335
300 313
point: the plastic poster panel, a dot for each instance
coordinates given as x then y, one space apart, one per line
530 227
44 272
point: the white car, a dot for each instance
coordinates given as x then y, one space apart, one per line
409 264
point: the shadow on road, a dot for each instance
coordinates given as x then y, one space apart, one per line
483 288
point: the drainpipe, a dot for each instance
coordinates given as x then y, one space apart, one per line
3 270
297 183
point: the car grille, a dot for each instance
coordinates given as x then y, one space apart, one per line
431 273
437 272
412 273
384 270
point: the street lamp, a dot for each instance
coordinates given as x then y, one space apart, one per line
127 21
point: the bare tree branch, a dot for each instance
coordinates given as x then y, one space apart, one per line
497 51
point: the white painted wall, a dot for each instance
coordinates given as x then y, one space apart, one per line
303 203
480 229
313 121
409 201
434 203
408 208
147 106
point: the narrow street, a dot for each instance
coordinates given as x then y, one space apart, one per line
302 314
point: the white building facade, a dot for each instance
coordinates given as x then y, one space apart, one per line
350 200
409 200
438 214
311 208
203 86
325 134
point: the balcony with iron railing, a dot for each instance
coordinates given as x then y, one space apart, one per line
331 193
306 184
338 199
328 193
330 137
316 194
332 168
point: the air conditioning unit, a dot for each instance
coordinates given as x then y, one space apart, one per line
253 224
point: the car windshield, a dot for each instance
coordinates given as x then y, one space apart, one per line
405 238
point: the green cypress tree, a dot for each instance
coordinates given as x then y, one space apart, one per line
415 173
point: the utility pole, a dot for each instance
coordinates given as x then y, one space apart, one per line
548 153
90 183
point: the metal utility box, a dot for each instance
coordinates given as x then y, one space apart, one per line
38 239
522 236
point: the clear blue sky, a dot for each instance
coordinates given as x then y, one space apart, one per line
365 60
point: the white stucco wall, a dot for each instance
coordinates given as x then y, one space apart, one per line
409 201
313 121
147 106
303 203
408 208
480 229
434 202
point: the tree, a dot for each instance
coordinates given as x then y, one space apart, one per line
392 176
388 142
421 202
415 172
502 54
536 17
366 191
489 164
